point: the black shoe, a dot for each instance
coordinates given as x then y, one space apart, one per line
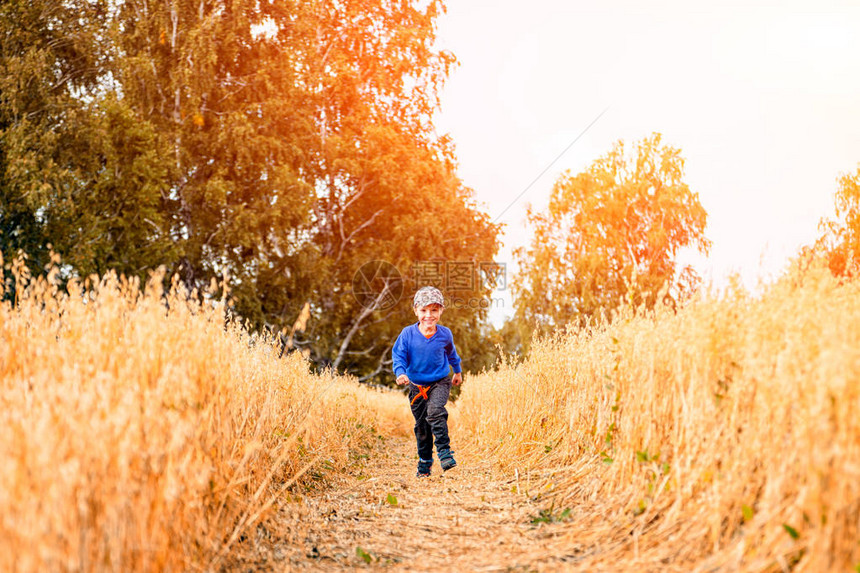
424 468
446 459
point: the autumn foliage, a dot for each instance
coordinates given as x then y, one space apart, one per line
280 144
214 175
611 235
839 243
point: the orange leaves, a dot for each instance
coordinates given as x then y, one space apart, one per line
840 240
612 233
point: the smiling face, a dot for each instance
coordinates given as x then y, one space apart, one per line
428 315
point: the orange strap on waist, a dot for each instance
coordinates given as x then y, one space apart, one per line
422 393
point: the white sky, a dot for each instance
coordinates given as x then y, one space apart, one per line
763 100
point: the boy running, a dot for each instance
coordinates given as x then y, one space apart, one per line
422 355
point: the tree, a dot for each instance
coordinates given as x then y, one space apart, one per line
611 233
77 170
280 144
43 59
303 148
839 243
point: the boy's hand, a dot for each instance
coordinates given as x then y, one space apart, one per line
402 380
457 379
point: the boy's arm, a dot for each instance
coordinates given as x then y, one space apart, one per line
454 361
457 379
399 356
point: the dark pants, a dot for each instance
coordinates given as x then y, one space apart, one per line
431 418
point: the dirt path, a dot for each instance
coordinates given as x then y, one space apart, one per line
466 519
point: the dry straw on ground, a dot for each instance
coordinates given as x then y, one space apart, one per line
143 433
723 437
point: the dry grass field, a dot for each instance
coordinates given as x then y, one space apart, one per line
141 432
724 437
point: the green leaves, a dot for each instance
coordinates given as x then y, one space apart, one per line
51 59
134 135
391 499
363 555
548 515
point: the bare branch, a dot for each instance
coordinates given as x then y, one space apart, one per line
364 352
382 364
357 229
364 314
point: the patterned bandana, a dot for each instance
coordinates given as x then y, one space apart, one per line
426 296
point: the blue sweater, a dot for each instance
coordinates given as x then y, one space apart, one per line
422 359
